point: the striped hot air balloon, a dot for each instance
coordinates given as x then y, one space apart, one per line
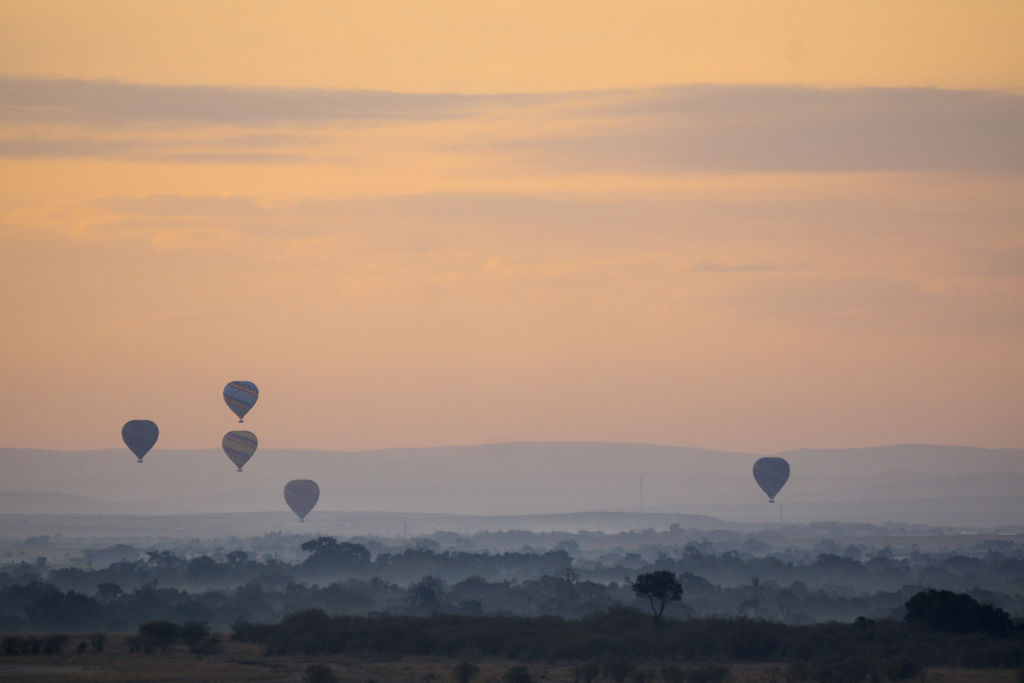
239 447
240 396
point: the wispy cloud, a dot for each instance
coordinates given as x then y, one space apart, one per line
79 148
735 129
883 301
239 149
708 267
680 129
112 102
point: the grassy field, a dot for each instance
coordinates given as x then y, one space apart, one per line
245 662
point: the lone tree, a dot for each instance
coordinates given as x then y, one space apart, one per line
957 613
660 588
327 553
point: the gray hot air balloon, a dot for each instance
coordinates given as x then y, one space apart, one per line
240 396
771 475
239 447
301 495
139 436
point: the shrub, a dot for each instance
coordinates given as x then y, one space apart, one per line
957 613
162 634
517 674
14 645
641 676
842 670
902 669
199 639
464 672
194 632
54 643
798 671
752 640
319 673
587 672
712 673
672 674
618 668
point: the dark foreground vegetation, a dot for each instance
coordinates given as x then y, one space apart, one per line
943 630
723 576
642 607
628 634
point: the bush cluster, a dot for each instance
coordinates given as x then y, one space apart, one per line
887 649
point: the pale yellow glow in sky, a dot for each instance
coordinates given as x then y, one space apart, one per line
517 46
628 257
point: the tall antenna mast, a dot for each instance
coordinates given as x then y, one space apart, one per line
641 494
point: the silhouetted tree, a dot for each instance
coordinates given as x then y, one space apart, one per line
237 557
108 591
194 634
321 544
319 673
326 552
425 594
54 609
163 634
464 672
660 588
164 559
957 613
204 568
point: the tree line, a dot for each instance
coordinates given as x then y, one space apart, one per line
932 634
345 578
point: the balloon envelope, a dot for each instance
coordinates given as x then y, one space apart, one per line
771 475
239 447
139 436
241 397
301 495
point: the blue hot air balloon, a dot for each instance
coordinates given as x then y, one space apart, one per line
241 397
771 475
139 436
301 495
239 447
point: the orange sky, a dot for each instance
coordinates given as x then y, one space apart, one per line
732 225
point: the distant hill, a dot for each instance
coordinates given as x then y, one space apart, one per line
131 528
50 503
913 483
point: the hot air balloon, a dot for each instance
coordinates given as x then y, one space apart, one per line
139 436
771 475
301 495
239 447
241 397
